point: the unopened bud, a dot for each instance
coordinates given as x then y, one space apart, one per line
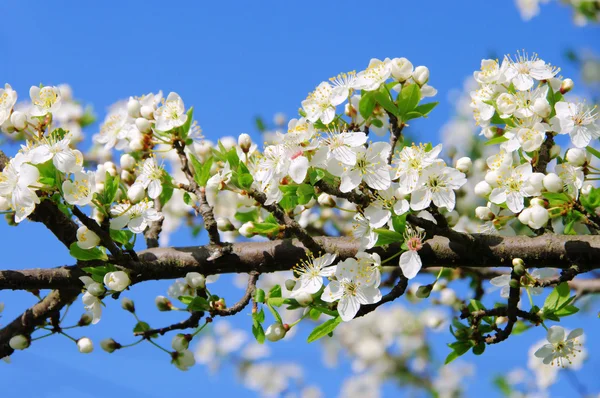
538 202
136 193
85 320
180 342
143 125
195 280
133 107
163 303
566 86
514 284
19 342
576 156
246 229
326 200
587 188
289 284
303 298
484 213
223 224
96 289
424 291
85 345
18 120
541 107
275 332
421 75
147 112
127 162
127 305
245 142
109 345
464 164
553 183
482 188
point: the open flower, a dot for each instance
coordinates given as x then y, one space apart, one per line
437 183
341 144
117 280
311 273
171 114
579 121
135 217
319 105
412 160
8 98
523 70
44 100
410 261
81 190
371 167
151 177
513 187
18 182
351 289
560 349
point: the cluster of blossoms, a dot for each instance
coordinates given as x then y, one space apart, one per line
584 11
520 105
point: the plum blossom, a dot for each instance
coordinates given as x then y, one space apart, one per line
579 121
80 191
321 103
351 289
560 348
8 98
44 100
410 261
311 273
171 114
523 70
437 183
135 217
150 177
513 187
371 167
412 160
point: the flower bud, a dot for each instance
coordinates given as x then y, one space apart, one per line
421 75
484 213
111 168
482 189
536 182
587 188
245 142
541 107
163 303
514 284
538 217
147 112
136 193
576 156
133 107
289 284
491 177
555 151
223 224
402 69
488 132
85 345
127 304
424 291
538 202
275 332
136 144
326 200
303 298
349 110
109 345
18 120
87 239
96 289
525 216
566 86
553 183
195 280
464 164
143 125
246 229
85 320
117 280
19 342
180 342
127 162
183 359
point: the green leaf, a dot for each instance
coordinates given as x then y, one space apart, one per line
503 385
87 255
278 301
201 171
167 191
314 314
259 296
458 348
496 140
260 124
275 291
305 193
479 348
425 109
260 316
387 237
48 173
141 326
408 98
559 296
199 304
315 175
366 104
566 311
111 186
97 273
593 151
265 228
247 216
184 130
556 198
476 305
324 329
244 178
382 96
123 237
258 332
399 223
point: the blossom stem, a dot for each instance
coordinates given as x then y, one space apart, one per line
41 337
391 258
159 346
199 329
132 344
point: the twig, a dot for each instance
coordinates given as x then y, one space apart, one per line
240 305
191 322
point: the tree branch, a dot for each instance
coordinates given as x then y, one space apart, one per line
240 305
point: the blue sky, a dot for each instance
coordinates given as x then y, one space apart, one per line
233 61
